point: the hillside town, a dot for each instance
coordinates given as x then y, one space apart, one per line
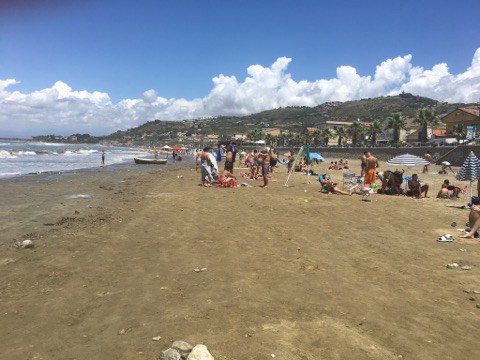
425 128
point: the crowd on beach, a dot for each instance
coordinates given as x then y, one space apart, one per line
261 164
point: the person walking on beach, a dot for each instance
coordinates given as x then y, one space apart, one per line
371 164
103 157
427 157
264 161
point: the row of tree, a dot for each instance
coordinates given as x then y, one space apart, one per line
357 132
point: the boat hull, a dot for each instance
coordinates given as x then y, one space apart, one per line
150 161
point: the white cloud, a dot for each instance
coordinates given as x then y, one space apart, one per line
61 110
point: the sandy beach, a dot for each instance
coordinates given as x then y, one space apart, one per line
289 271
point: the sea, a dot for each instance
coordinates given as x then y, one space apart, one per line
19 157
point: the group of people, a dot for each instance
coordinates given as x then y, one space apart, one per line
339 165
260 164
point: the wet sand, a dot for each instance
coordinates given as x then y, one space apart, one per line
302 275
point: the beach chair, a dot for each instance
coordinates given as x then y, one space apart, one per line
320 179
351 180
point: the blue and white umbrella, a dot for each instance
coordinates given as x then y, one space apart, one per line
408 160
317 156
470 170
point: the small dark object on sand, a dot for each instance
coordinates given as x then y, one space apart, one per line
454 224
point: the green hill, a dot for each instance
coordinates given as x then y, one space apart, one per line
289 118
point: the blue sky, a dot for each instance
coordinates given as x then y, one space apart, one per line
123 48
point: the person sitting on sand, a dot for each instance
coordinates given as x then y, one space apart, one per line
228 178
415 189
346 166
331 186
454 188
391 182
473 219
444 193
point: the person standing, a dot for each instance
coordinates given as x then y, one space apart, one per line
229 160
291 160
206 168
219 153
427 157
103 157
371 164
364 163
264 161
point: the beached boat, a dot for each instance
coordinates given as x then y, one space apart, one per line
150 161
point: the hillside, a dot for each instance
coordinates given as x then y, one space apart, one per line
289 118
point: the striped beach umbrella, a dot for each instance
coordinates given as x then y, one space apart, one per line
470 170
408 160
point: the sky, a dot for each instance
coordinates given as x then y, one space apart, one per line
97 66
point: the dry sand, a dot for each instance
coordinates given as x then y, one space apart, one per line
302 275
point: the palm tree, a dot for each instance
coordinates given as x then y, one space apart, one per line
316 135
355 131
341 134
396 122
459 132
374 129
326 135
254 135
270 140
425 117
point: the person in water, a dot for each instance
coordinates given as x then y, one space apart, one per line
103 157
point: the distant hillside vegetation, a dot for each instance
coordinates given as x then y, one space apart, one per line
290 118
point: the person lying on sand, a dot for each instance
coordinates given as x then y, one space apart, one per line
228 178
331 186
473 219
415 189
444 193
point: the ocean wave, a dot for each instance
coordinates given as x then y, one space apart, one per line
4 154
25 152
86 152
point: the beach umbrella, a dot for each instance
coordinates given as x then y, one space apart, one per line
469 171
177 148
166 147
409 161
316 156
